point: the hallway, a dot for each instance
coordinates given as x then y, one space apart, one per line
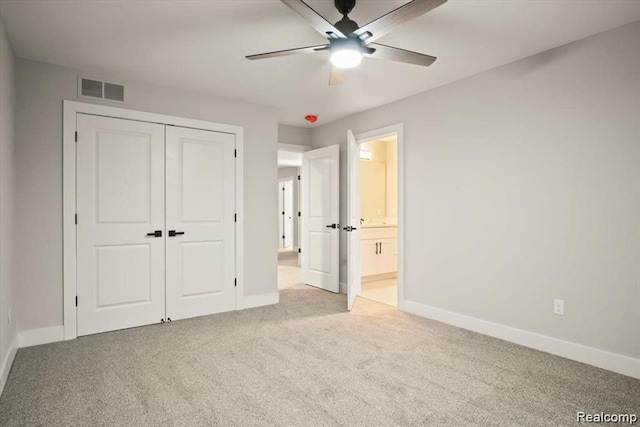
289 273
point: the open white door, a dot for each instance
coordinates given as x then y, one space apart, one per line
353 220
320 207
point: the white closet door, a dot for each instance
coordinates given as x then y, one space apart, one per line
120 199
200 192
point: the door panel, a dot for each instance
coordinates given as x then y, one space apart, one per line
200 262
123 275
123 177
120 198
203 180
320 194
200 193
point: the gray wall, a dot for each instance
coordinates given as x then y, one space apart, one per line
522 184
294 135
7 218
41 89
284 173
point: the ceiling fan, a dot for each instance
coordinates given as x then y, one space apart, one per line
348 42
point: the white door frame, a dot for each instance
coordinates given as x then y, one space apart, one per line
70 111
398 131
293 211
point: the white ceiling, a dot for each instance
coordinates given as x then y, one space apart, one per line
200 45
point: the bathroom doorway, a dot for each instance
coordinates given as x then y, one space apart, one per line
379 219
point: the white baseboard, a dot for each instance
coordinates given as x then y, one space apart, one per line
259 300
8 362
621 364
40 336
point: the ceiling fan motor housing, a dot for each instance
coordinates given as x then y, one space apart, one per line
345 25
345 6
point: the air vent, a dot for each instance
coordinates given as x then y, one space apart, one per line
91 88
114 92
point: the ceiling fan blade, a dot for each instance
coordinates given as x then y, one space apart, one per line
316 20
401 55
336 76
287 52
395 18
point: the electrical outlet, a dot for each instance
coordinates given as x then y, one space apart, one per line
558 306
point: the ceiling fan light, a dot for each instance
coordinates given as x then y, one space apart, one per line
346 56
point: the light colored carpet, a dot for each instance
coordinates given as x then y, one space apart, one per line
304 362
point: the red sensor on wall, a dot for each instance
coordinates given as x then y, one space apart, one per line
311 118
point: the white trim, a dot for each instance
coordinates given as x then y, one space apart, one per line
343 287
398 131
40 336
259 300
293 148
5 368
70 111
621 364
240 217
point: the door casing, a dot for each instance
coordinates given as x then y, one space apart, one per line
286 205
70 111
398 131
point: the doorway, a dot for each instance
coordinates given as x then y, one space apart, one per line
375 216
289 273
289 163
379 220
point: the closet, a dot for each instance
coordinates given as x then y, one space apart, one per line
155 229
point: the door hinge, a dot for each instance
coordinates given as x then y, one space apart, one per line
298 177
76 136
299 214
235 282
235 217
76 219
235 153
76 300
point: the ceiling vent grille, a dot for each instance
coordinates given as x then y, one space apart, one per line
96 89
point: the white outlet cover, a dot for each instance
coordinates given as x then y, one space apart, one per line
558 306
